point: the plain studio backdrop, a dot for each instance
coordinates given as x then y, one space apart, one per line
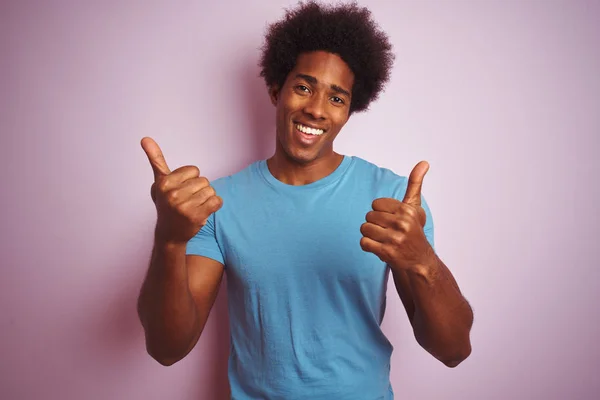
501 97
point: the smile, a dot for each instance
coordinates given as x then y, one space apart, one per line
309 131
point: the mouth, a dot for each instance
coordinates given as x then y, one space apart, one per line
307 135
309 130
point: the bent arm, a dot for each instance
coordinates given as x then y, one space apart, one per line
175 300
439 314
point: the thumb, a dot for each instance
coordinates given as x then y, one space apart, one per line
415 182
156 158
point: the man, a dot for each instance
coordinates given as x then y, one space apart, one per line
307 238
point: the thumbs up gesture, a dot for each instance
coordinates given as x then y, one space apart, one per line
394 229
184 200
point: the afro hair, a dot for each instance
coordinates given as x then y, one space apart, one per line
346 30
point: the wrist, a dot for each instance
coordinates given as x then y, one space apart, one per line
165 241
169 245
168 257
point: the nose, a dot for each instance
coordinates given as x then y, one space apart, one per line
315 106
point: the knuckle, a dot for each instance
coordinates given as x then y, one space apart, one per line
370 216
161 184
173 196
411 211
396 240
401 224
405 225
210 191
364 228
217 202
363 243
375 203
192 170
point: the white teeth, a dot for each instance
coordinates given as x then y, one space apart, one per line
310 131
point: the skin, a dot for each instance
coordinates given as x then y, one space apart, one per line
439 314
316 93
179 291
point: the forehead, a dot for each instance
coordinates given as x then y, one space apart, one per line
327 68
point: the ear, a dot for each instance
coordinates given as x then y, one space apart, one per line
274 94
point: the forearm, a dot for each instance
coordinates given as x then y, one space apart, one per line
166 307
442 318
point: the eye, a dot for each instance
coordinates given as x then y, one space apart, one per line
338 100
302 88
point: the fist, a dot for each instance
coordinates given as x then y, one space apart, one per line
394 229
184 200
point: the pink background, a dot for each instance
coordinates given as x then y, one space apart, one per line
501 97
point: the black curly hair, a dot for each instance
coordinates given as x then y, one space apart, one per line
346 30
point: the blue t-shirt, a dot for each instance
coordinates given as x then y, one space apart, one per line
305 301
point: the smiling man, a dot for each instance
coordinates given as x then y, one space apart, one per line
307 238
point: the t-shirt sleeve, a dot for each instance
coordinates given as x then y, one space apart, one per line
205 242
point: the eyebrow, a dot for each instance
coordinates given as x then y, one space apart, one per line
312 80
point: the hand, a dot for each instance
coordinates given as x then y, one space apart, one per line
184 200
394 229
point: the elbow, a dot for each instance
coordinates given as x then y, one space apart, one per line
166 360
457 357
453 363
163 351
157 350
168 352
450 352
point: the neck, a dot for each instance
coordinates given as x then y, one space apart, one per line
294 173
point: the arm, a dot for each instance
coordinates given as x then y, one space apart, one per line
439 314
178 291
175 301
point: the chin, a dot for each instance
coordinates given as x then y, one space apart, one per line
300 156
